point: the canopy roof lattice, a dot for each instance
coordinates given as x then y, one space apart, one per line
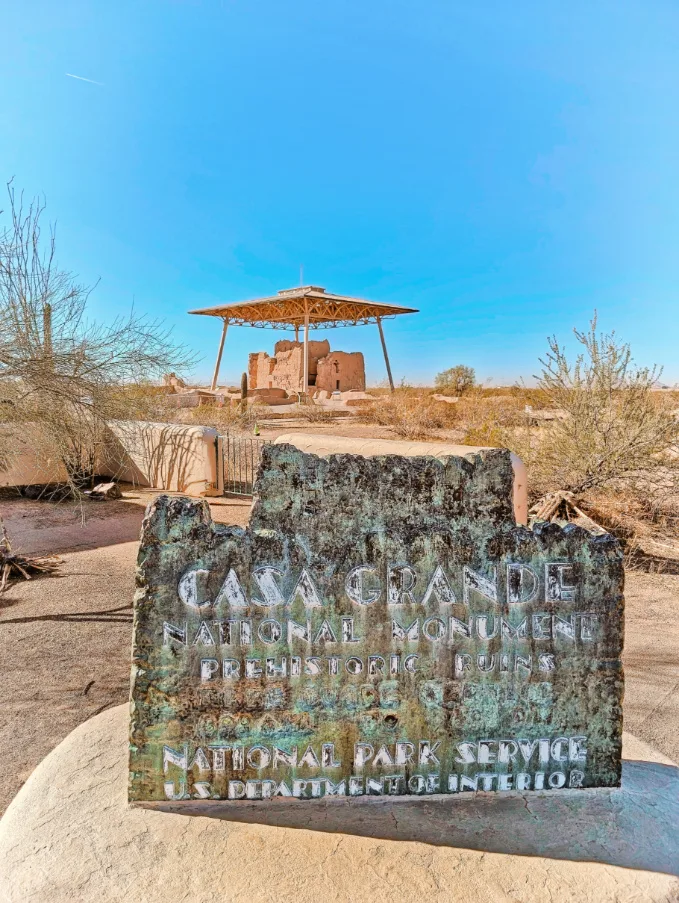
309 306
291 307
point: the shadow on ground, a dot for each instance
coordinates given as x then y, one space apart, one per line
55 527
635 826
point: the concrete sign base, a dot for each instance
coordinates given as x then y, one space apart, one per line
70 836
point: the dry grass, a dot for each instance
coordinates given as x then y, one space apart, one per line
228 418
410 413
645 517
483 415
316 413
487 418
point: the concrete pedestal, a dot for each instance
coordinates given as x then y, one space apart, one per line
69 835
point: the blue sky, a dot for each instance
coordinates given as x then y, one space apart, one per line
504 167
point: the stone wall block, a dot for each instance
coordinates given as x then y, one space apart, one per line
374 601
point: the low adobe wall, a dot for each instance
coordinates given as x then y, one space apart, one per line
23 466
168 456
162 455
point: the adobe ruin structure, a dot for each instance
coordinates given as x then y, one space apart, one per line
329 371
308 307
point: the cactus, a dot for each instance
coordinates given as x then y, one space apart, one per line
244 391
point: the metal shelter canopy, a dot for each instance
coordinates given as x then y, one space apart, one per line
308 306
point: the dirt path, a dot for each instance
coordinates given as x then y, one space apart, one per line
651 659
65 641
64 655
72 526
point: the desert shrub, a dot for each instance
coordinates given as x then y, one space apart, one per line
364 410
488 418
230 418
383 389
455 381
614 428
536 397
316 413
410 414
378 391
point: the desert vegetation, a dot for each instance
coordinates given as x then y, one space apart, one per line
410 413
612 425
612 441
456 380
594 425
64 376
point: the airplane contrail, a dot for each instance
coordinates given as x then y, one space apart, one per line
82 79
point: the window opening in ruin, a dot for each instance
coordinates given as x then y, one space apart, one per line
337 386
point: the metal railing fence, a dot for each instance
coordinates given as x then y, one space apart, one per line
238 459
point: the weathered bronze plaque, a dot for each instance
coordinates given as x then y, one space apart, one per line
383 627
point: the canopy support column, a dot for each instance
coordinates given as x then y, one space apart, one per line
297 333
386 356
219 355
305 387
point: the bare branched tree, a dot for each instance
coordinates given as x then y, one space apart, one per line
62 376
613 424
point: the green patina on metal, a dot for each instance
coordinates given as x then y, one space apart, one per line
383 626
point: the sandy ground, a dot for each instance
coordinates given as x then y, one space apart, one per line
65 640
